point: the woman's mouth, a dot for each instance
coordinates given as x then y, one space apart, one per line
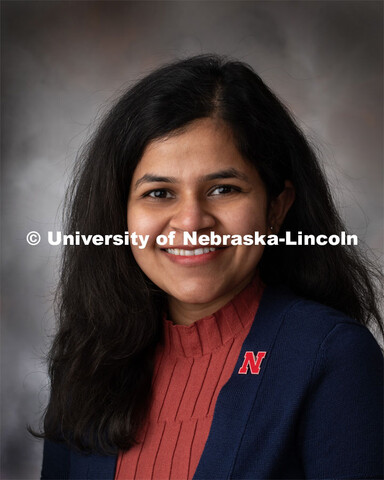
189 253
193 256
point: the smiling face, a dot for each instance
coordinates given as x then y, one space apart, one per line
197 181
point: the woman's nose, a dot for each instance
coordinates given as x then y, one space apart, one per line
192 214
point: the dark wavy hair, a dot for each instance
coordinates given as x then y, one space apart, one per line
101 360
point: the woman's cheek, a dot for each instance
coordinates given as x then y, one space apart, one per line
248 221
142 222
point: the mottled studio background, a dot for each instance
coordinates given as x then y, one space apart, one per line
62 64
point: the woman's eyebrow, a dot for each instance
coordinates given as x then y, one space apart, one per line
227 173
151 178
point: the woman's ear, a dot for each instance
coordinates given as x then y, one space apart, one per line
279 207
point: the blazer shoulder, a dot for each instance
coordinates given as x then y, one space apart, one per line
56 461
307 321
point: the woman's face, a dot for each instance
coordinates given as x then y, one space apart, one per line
197 181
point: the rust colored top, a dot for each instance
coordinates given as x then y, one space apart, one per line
192 365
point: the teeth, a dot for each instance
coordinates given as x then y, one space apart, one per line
189 253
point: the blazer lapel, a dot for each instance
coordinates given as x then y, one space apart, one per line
238 395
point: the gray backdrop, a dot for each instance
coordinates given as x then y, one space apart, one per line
62 64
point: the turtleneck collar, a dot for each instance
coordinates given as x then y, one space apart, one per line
209 333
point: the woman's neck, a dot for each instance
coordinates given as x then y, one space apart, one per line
182 313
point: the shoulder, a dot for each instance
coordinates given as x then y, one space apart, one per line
312 336
56 460
324 361
309 321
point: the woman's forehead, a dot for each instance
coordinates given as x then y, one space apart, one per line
203 146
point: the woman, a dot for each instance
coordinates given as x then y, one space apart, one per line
217 361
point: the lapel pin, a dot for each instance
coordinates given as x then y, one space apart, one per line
252 361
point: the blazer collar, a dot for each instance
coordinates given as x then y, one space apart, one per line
239 393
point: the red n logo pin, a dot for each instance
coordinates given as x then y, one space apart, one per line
254 363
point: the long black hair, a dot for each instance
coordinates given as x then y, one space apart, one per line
101 360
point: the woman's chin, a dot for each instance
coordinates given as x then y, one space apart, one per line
195 295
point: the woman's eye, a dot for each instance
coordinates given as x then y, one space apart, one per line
224 189
160 193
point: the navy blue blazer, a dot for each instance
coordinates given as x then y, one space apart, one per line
315 409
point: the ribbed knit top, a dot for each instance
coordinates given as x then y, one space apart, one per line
192 365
